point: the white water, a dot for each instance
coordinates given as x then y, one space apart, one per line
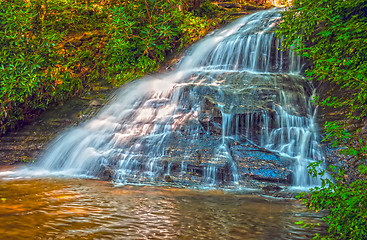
239 71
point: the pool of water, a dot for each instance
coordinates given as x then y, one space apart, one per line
54 208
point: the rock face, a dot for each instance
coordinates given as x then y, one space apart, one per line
234 113
333 155
26 144
232 135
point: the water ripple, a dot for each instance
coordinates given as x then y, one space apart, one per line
88 209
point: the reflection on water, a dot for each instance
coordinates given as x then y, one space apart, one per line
88 209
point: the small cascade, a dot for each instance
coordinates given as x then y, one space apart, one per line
226 126
235 111
253 48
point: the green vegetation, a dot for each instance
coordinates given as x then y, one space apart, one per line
332 35
144 32
38 67
54 49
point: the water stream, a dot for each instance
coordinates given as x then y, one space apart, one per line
88 209
234 111
235 114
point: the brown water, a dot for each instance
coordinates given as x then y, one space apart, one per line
88 209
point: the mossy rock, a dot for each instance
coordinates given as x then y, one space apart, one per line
230 5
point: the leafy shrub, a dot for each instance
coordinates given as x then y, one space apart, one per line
144 32
51 50
23 61
141 33
36 69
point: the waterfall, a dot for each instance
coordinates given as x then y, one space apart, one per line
234 111
280 3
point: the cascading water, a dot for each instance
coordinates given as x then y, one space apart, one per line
235 109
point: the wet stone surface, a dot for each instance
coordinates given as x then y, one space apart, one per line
25 144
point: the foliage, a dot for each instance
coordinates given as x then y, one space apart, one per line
144 32
345 201
207 9
332 35
54 49
37 66
24 59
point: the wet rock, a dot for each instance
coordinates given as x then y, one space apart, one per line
229 5
261 164
106 173
237 13
168 178
32 138
272 175
254 6
271 188
96 103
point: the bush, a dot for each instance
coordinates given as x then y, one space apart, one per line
24 58
36 68
141 34
144 32
51 50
